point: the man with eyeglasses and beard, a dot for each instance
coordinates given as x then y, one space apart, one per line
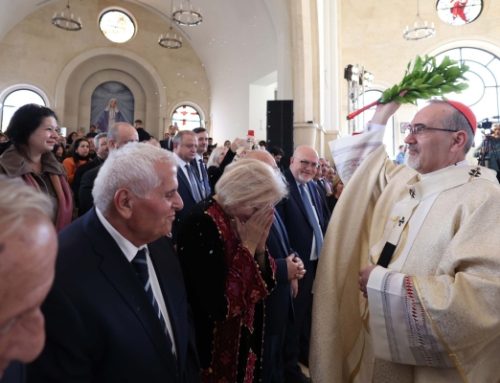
305 221
408 284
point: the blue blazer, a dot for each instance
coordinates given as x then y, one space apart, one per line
294 215
278 305
185 193
100 325
184 190
14 373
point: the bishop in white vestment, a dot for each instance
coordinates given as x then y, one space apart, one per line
432 312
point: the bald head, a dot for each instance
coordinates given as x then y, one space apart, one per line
263 156
28 246
304 163
120 134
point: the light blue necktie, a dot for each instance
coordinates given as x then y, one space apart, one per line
311 217
204 179
194 183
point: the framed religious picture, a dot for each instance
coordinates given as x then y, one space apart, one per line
459 12
111 102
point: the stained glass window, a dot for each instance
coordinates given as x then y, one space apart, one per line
186 117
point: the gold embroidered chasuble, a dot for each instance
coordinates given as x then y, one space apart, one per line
433 315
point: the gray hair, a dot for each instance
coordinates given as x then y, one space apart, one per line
250 182
180 134
457 121
98 137
113 131
18 203
213 160
131 167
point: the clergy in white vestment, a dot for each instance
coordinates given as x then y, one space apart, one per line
408 282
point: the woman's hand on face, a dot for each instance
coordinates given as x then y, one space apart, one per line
266 222
253 233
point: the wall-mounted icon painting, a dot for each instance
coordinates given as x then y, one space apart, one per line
111 102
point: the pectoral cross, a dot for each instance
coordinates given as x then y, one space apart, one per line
412 192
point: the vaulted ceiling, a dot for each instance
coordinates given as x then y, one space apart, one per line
229 26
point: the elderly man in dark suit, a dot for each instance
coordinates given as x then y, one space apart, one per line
119 134
118 309
305 221
190 189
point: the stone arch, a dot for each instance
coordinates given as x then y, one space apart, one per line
85 72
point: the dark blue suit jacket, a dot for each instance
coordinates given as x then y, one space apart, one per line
85 198
294 215
184 190
15 373
101 326
279 302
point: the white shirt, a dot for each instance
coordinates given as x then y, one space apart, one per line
182 164
129 250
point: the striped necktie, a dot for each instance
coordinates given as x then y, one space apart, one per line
140 265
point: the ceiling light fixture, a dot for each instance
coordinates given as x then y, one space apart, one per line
67 20
170 40
420 29
186 15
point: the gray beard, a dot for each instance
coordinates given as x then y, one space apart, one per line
412 162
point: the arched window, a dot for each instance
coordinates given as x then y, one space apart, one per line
15 99
186 117
482 95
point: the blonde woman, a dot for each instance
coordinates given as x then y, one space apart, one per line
228 271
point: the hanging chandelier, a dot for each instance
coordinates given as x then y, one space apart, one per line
170 40
420 29
67 20
186 14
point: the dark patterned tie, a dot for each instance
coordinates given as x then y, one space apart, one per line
140 265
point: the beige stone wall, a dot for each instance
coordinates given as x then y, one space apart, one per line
371 35
67 66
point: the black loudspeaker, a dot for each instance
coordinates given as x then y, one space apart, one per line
280 126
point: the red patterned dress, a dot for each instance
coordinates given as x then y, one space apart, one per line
226 290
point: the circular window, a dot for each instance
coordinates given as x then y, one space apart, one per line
117 25
459 12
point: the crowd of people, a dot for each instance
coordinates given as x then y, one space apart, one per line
180 260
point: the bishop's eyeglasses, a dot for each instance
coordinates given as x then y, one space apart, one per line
417 129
